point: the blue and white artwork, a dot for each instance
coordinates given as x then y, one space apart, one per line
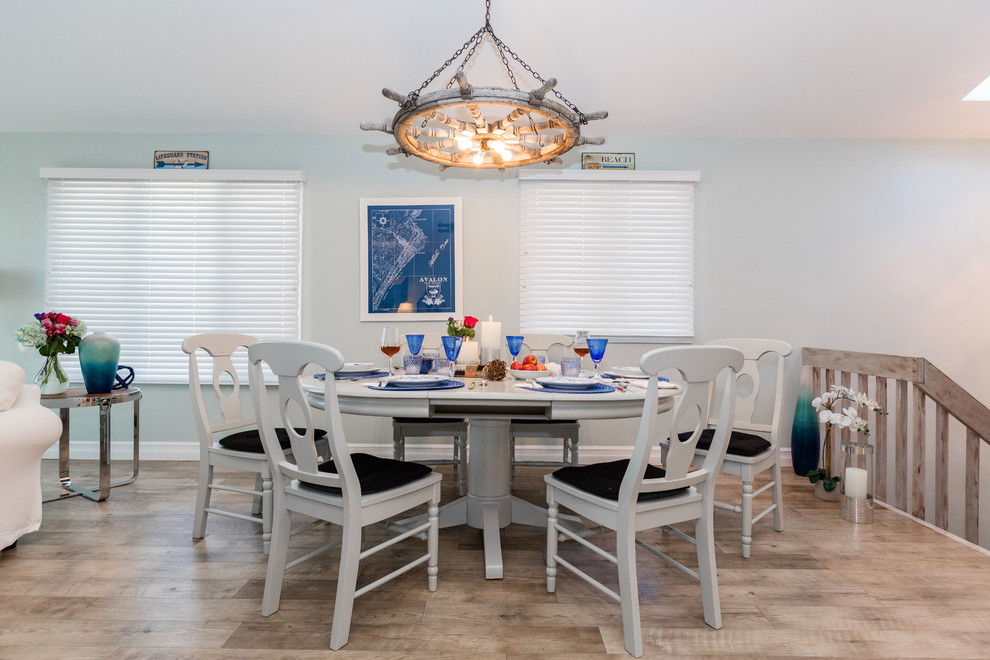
411 257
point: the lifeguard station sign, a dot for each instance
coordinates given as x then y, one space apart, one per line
180 160
600 161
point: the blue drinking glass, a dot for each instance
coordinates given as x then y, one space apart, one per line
596 349
415 343
452 346
515 345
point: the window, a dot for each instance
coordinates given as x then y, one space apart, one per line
153 256
610 252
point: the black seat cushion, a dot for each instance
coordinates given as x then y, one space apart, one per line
545 421
604 479
740 444
251 440
376 474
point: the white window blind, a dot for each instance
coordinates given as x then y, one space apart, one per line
610 252
151 257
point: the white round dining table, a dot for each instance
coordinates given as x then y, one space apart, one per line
489 504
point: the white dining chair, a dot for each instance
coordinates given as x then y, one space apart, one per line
631 496
754 446
456 429
233 441
568 431
352 490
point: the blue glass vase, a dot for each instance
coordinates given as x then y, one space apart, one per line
99 355
805 438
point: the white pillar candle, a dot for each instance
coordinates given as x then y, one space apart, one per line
490 340
855 483
469 352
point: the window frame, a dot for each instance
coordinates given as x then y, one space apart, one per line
278 206
629 180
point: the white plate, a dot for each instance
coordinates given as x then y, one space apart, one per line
567 382
523 374
626 372
424 380
357 368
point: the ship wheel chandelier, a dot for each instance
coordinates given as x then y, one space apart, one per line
485 127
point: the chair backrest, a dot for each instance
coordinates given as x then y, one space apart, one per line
432 340
755 350
287 360
220 347
541 344
699 367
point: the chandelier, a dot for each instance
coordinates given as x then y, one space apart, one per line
485 127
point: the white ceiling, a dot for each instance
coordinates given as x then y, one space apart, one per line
685 68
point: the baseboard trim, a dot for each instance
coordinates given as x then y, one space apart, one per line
189 451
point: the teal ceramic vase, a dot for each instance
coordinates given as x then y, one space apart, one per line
805 440
99 354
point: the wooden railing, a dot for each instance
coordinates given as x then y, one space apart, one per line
918 388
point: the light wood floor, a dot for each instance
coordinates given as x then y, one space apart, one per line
123 579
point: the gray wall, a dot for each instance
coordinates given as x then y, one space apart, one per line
870 245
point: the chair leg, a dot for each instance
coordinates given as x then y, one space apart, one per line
551 542
461 455
512 455
747 518
625 553
778 498
276 561
266 509
257 505
398 444
350 558
574 450
203 492
705 540
433 540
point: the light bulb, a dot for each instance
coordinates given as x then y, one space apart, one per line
463 143
478 158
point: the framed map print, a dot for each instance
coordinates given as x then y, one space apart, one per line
411 262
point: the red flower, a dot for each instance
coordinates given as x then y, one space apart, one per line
470 321
62 318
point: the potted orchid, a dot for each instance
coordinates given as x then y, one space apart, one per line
824 478
463 328
52 333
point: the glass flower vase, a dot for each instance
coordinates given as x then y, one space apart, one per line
52 379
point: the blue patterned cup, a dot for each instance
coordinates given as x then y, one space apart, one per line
412 364
570 366
445 366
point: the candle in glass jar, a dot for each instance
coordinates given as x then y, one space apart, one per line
855 483
469 352
490 339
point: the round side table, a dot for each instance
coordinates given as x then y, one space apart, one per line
77 397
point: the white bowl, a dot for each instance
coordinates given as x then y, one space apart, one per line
523 374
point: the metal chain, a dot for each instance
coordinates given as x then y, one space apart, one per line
450 60
502 46
474 41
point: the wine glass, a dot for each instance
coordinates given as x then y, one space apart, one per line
452 347
415 343
515 345
580 345
596 347
390 344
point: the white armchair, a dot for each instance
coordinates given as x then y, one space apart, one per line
27 429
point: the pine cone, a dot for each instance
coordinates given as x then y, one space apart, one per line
494 370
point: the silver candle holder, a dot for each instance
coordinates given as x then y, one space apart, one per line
856 500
